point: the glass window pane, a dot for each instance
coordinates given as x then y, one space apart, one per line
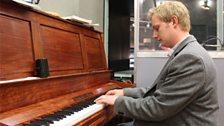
146 42
203 23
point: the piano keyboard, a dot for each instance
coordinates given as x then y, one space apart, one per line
69 116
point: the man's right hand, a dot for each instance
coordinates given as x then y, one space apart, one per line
117 92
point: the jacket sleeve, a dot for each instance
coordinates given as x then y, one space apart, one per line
184 79
135 92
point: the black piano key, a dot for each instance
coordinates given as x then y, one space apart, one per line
61 114
77 108
64 112
50 118
38 123
70 110
48 121
57 116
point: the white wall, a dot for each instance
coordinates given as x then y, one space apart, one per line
147 69
220 70
93 10
89 9
62 7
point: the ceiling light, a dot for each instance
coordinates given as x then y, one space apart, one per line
205 4
205 7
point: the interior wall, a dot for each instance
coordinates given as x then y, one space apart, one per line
147 69
93 10
88 9
62 7
220 70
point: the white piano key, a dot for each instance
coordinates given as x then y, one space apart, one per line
78 116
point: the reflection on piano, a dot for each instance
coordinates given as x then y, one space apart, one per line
76 63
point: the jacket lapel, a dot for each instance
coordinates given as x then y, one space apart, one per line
176 51
185 42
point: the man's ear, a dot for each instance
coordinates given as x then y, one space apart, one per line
174 21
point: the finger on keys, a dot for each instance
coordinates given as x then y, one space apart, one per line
100 99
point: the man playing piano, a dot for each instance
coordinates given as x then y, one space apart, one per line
184 94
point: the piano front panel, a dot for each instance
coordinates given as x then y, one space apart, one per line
41 35
62 49
24 93
35 111
94 57
16 53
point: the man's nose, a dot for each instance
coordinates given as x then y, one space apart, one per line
154 35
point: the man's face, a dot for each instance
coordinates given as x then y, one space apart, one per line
162 31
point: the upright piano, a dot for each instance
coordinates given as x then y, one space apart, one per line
77 70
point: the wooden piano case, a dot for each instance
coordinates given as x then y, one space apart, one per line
76 60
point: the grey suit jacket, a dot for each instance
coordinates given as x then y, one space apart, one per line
184 93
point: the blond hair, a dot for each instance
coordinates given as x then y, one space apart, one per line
169 8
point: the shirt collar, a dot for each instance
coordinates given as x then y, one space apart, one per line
171 50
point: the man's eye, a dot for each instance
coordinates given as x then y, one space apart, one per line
156 29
